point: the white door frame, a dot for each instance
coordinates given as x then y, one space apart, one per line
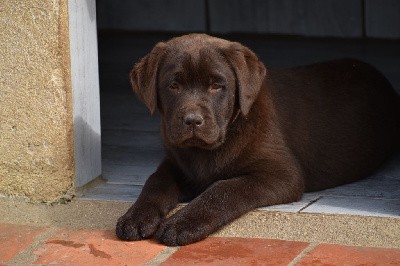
85 90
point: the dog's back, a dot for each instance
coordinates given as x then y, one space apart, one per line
340 118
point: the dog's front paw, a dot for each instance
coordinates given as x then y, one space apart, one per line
137 226
179 231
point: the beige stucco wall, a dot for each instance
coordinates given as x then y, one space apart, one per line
36 131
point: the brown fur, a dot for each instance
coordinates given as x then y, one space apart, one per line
238 137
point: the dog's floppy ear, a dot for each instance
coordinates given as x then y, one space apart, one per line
143 77
250 73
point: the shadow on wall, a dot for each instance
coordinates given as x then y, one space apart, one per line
91 10
87 152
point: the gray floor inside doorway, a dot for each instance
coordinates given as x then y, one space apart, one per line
132 149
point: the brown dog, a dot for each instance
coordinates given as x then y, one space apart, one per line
238 137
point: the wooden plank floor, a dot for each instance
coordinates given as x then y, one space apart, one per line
132 148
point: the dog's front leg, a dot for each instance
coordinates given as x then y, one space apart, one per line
158 197
225 201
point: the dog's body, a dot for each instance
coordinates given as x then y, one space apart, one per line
238 137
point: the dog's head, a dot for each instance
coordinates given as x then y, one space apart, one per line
199 84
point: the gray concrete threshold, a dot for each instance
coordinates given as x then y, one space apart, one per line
309 227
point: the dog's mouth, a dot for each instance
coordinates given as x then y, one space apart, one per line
196 141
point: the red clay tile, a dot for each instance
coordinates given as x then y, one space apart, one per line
95 247
14 238
329 254
237 251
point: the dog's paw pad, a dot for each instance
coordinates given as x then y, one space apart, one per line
178 233
127 230
168 235
136 228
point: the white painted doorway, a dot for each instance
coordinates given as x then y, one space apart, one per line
85 90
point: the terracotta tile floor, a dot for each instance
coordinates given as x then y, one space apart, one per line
27 245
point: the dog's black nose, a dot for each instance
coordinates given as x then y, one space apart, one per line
193 119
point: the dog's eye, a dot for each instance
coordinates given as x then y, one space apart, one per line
216 87
174 86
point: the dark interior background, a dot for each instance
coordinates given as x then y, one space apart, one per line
318 18
281 32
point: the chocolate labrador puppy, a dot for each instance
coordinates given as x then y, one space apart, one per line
240 136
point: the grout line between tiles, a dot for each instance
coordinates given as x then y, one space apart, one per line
162 256
358 197
302 254
124 183
309 204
